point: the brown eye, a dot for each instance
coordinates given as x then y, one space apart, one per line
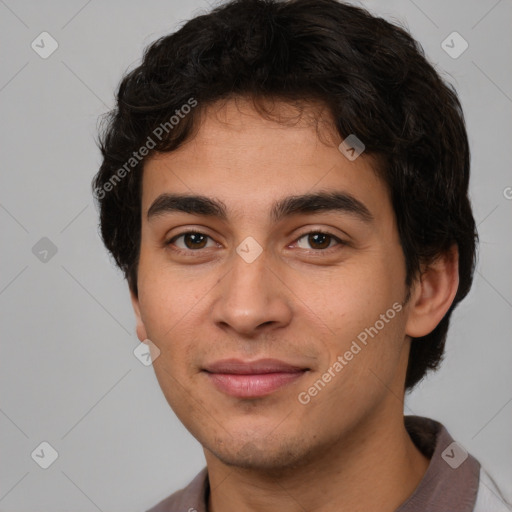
194 240
317 240
191 240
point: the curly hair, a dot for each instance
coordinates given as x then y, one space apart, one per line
371 75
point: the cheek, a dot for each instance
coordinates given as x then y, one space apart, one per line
172 309
357 297
363 367
167 295
366 320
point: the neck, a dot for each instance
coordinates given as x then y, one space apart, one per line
374 467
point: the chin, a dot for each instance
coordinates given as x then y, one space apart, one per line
273 456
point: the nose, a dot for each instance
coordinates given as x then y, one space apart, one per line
251 298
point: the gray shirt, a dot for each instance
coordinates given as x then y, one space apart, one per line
453 482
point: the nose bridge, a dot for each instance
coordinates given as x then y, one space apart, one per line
250 295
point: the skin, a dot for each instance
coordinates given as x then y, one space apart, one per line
347 449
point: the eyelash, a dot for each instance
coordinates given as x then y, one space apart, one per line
187 252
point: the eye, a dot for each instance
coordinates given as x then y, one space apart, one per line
318 240
191 240
195 240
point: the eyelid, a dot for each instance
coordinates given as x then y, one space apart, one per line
340 241
171 240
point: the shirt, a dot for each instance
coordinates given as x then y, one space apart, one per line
454 480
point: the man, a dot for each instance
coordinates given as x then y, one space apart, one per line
285 186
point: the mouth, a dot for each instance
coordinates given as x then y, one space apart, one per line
252 379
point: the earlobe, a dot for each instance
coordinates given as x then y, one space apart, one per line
433 294
140 328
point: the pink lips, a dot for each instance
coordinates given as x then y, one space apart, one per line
252 379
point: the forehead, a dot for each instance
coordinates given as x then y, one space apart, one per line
249 162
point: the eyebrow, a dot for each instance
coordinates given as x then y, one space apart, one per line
342 202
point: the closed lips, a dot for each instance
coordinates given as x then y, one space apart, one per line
260 367
252 379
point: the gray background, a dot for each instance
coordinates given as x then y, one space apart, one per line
68 374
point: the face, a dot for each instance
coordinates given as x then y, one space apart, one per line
314 284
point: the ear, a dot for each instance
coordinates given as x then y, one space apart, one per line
141 329
433 294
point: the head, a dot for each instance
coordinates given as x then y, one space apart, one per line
244 109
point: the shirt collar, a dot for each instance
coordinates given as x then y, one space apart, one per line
452 477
